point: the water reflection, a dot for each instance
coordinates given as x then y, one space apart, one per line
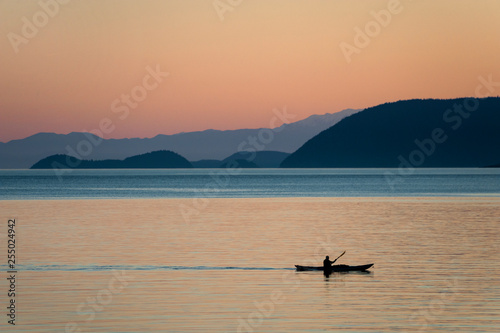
327 274
430 256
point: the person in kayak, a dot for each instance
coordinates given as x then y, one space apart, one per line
327 264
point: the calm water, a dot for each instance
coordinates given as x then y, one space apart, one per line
246 183
159 263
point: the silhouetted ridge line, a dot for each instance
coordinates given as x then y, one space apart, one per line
194 146
463 132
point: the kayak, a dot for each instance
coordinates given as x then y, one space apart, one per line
335 268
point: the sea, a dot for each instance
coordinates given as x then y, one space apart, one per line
213 250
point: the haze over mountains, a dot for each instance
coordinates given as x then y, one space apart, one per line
194 146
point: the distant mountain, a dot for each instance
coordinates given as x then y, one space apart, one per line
414 133
207 164
195 146
239 163
263 159
156 159
260 159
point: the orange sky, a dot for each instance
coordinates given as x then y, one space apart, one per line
228 70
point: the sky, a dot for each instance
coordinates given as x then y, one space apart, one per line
138 68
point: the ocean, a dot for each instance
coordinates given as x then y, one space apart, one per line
246 183
214 251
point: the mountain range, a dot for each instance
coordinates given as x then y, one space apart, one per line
461 132
164 159
194 146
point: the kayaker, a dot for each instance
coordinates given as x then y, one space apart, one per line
327 264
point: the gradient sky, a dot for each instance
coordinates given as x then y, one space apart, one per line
231 73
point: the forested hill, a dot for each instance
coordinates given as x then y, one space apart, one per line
414 133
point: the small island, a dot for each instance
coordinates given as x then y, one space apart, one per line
160 159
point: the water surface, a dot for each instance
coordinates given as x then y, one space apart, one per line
247 183
226 264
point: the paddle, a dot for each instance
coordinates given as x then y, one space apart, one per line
338 257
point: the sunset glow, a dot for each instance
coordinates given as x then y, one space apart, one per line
67 66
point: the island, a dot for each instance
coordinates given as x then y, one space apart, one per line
154 160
